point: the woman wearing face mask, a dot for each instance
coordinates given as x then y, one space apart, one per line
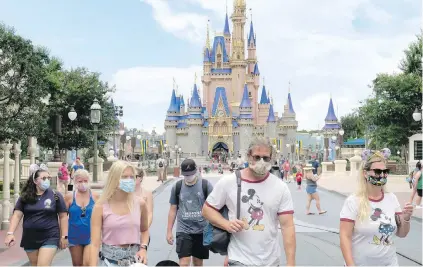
80 204
119 222
371 216
41 209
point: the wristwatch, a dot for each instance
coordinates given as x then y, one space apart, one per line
144 246
65 237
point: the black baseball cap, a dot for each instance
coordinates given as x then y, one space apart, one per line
188 167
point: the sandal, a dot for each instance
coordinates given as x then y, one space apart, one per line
310 213
322 212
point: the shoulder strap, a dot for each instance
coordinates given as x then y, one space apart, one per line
178 191
238 193
205 188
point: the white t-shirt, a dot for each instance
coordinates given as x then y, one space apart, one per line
261 204
372 239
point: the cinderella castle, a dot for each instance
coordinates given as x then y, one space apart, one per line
229 112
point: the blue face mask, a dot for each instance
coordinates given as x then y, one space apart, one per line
127 185
44 185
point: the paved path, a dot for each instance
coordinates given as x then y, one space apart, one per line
317 236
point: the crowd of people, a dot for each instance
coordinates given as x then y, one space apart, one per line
239 216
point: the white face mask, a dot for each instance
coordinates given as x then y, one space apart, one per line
190 178
260 167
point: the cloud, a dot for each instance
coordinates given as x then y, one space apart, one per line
313 44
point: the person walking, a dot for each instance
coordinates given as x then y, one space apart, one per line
119 222
160 163
371 216
286 171
80 204
186 201
417 185
76 166
45 220
265 204
311 190
64 178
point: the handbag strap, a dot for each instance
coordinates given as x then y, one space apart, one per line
238 194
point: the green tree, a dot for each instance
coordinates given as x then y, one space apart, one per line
76 88
352 125
23 87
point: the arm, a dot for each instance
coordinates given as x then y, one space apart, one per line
145 235
63 220
289 241
402 218
95 195
14 221
150 206
215 202
345 235
96 225
348 216
416 180
62 210
171 217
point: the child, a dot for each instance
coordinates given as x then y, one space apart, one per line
299 178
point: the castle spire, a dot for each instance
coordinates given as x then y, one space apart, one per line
271 117
251 35
246 102
208 35
226 30
330 116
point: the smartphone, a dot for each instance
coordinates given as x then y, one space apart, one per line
70 187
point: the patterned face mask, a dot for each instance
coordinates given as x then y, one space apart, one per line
379 178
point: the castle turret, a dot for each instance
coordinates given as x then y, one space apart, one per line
171 121
227 34
207 66
251 46
289 125
263 106
245 121
195 121
271 123
330 129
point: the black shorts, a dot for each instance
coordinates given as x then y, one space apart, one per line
188 245
419 192
299 182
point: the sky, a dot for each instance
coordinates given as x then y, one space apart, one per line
323 48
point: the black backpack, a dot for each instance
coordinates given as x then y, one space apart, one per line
179 186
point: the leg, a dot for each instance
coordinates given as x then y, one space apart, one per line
308 203
199 252
46 255
316 197
32 256
86 257
226 262
184 245
77 254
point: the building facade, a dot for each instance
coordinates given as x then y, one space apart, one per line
229 113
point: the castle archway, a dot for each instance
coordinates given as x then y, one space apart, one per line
220 151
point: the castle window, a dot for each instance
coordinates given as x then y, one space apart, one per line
219 61
249 94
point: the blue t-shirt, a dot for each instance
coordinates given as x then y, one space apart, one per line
190 219
315 166
77 167
40 220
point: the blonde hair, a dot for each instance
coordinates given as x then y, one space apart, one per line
81 173
362 192
113 179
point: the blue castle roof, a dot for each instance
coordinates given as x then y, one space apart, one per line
264 99
330 116
251 37
182 101
271 117
256 69
219 40
206 55
173 107
245 103
220 94
290 106
195 99
226 30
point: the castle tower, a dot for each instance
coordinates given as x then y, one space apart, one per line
330 129
246 122
263 106
207 66
271 123
227 33
195 122
172 120
238 62
289 125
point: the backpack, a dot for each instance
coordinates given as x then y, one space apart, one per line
160 164
179 186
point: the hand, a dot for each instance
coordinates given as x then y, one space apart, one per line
407 211
169 238
64 243
142 256
9 241
234 226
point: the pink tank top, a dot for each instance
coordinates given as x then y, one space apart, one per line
121 229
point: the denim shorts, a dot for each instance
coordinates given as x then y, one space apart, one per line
44 246
311 189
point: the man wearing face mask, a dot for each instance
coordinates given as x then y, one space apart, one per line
265 203
186 201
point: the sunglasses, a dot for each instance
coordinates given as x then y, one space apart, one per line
83 214
380 171
258 158
45 178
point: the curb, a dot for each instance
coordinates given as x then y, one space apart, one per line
155 192
415 218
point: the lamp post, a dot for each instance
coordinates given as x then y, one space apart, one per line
297 151
118 113
417 116
58 132
95 118
122 142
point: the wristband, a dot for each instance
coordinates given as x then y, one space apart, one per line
9 233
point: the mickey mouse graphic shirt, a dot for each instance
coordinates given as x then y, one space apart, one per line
373 238
262 202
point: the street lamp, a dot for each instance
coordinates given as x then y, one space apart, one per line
333 137
341 132
417 116
72 114
95 118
